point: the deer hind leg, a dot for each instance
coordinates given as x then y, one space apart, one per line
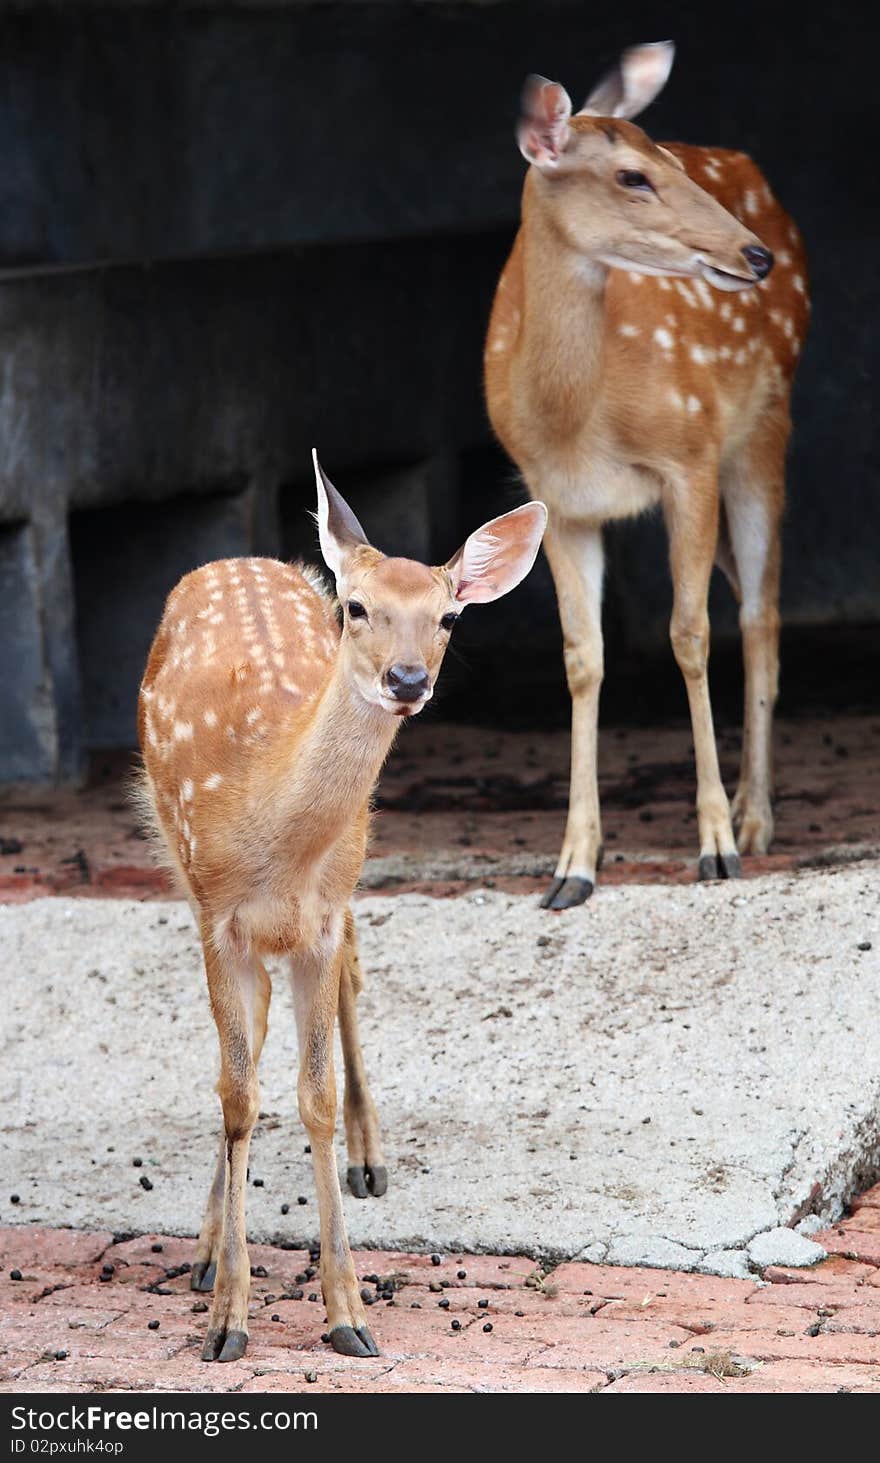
753 492
692 521
367 1173
204 1268
315 979
239 992
574 552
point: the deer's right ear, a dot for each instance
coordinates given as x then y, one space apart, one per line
338 529
543 132
629 87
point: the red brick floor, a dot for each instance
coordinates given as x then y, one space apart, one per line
487 801
77 1317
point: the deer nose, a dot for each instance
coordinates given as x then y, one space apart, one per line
759 258
408 682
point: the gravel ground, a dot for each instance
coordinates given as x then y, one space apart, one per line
663 1073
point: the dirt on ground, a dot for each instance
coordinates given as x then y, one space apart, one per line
461 806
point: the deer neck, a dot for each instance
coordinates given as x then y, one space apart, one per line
331 765
563 324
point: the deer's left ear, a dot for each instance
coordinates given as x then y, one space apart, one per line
670 157
495 558
639 76
338 529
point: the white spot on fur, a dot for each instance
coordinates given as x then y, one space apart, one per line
686 294
183 731
210 717
186 790
663 338
211 783
704 293
694 405
636 278
750 202
676 399
254 715
629 331
739 324
798 283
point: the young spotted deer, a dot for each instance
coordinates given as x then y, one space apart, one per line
640 351
263 727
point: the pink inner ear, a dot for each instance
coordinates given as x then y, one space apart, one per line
546 110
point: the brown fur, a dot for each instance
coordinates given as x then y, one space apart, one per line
614 390
263 728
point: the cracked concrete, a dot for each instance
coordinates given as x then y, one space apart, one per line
653 1079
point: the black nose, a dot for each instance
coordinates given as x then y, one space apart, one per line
759 258
408 682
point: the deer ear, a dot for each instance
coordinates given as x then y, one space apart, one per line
338 529
670 156
630 86
495 558
543 132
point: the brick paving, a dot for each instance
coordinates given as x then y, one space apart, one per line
85 1313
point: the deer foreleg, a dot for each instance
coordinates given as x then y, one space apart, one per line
574 551
692 521
204 1268
315 979
239 991
753 501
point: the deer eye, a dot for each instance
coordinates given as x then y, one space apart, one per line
448 621
356 610
631 179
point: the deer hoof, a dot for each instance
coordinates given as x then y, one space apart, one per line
223 1345
719 866
566 893
202 1275
234 1347
377 1180
357 1181
363 1180
351 1342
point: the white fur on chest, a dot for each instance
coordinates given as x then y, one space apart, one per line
596 487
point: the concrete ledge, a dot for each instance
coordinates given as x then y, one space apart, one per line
670 1072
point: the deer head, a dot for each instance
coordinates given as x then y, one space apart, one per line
619 199
398 614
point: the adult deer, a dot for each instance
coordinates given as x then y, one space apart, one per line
263 728
639 352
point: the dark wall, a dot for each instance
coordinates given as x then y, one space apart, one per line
229 231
